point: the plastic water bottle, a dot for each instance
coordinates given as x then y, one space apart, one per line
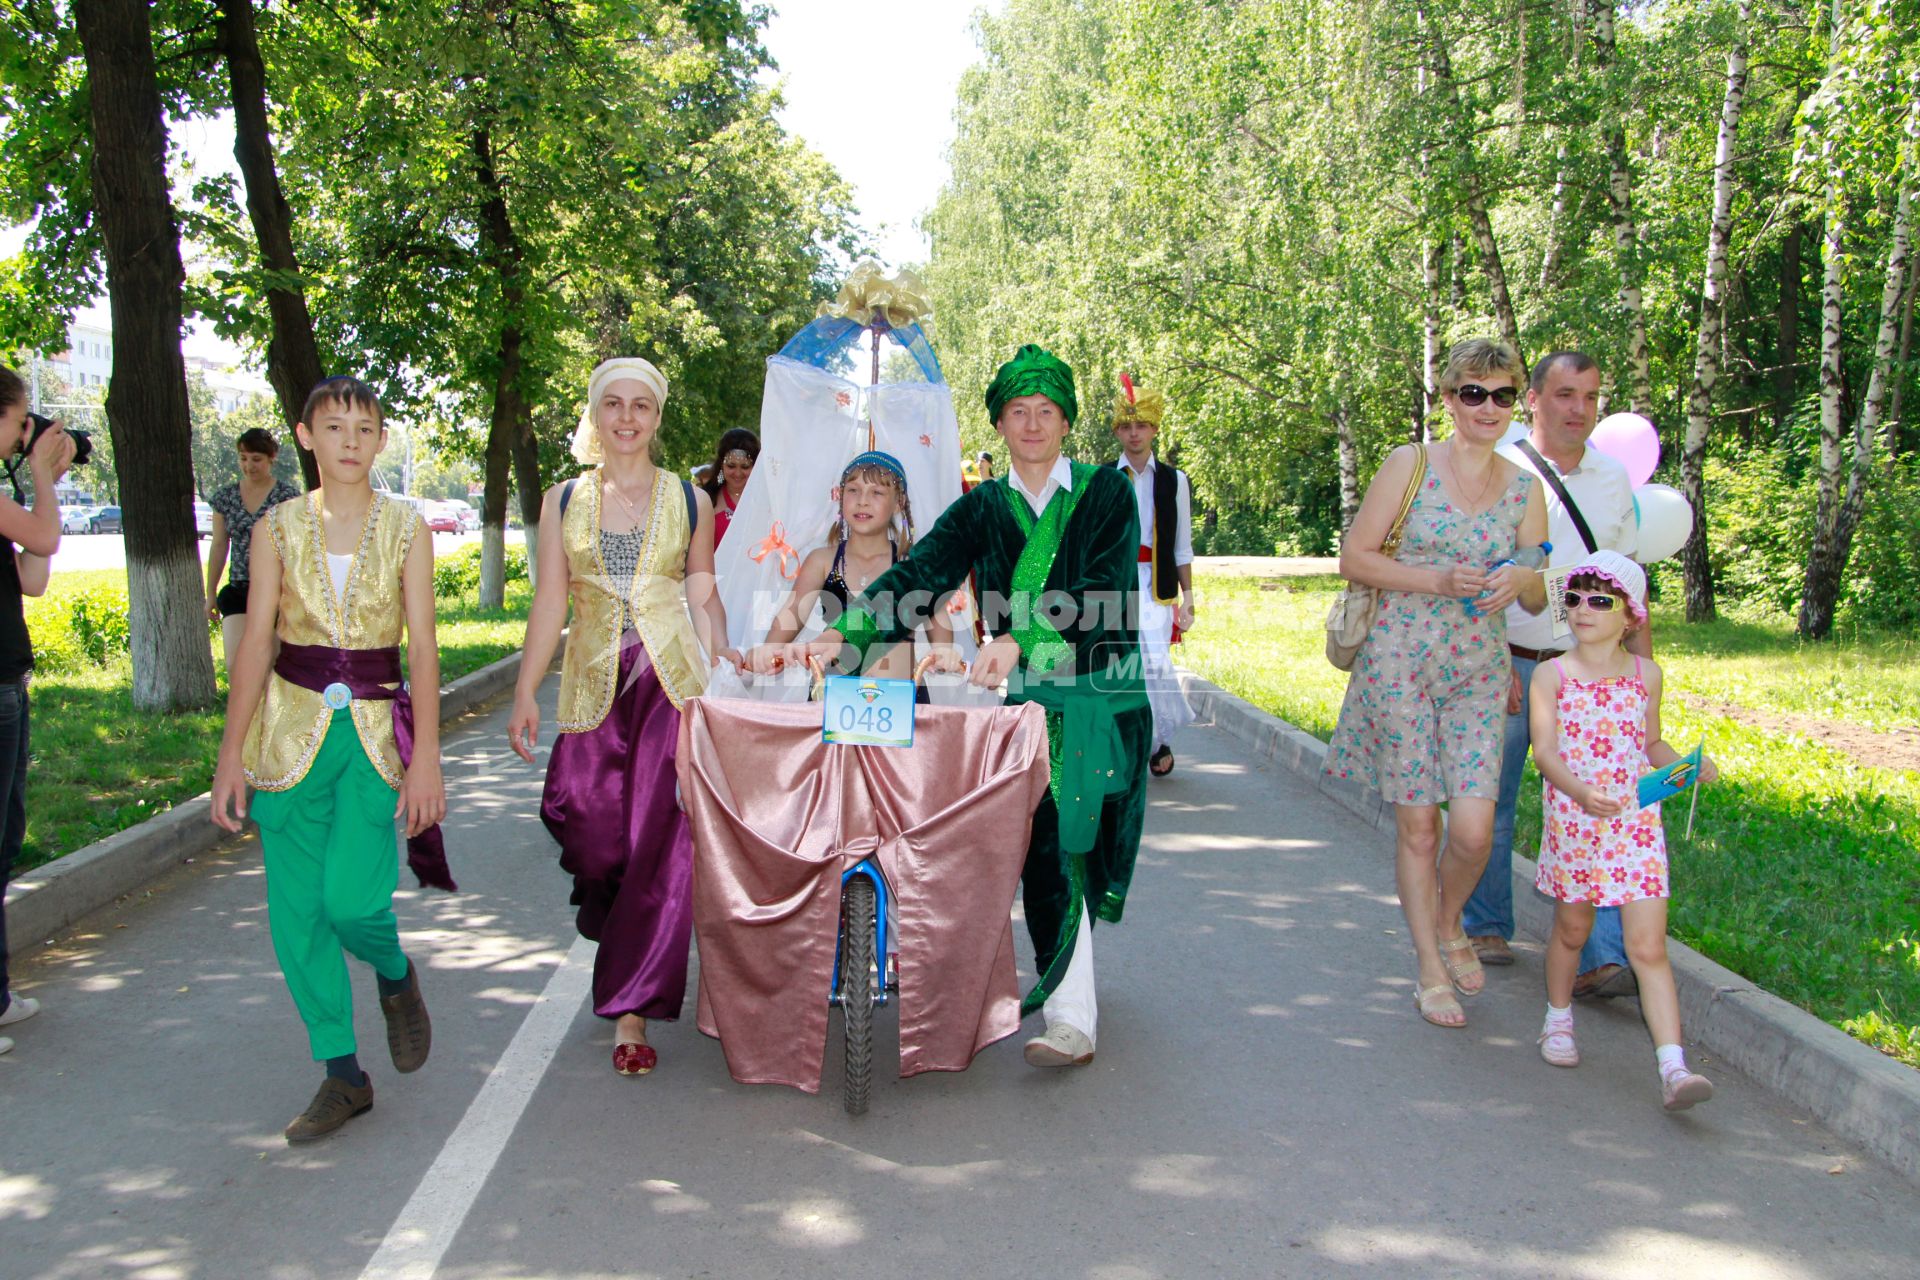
1525 557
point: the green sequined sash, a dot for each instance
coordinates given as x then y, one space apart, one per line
1039 639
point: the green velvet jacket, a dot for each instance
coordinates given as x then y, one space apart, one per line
1086 833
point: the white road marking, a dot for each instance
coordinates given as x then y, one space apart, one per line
432 1216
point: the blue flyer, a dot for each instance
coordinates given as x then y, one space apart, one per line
865 711
1671 780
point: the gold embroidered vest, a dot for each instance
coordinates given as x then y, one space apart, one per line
656 598
291 722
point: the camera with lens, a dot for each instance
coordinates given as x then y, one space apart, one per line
82 442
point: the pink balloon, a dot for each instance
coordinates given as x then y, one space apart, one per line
1630 440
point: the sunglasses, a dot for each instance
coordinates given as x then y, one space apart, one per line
1599 602
1472 394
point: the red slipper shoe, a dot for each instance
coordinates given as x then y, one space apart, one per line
634 1059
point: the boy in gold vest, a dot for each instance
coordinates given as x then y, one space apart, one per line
326 733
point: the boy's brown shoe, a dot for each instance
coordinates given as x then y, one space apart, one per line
409 1030
335 1104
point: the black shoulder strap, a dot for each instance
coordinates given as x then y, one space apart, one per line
566 495
1166 510
693 520
1552 477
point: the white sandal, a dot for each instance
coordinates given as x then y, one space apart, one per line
1558 1048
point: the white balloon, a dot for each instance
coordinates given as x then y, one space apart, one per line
1666 521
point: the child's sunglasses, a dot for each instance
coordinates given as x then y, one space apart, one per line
1472 394
1600 602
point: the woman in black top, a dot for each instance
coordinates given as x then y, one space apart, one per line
874 530
235 509
32 536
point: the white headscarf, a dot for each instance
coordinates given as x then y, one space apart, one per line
586 438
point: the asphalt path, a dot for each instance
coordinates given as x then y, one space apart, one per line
83 551
1265 1101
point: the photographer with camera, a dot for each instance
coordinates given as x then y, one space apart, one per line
32 535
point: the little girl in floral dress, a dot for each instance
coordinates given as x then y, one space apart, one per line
1596 729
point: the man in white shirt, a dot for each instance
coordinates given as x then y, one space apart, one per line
1563 398
1165 499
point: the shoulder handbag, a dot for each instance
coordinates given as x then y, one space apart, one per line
1351 619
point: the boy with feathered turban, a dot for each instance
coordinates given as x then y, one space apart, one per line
1166 560
1053 546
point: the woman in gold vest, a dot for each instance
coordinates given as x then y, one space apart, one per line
632 546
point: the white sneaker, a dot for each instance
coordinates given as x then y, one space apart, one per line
6 1045
1064 1045
19 1010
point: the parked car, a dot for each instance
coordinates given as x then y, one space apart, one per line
202 519
105 520
74 519
442 518
469 518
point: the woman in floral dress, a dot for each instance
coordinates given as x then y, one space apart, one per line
1426 705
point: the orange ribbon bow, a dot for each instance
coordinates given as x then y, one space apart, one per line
775 544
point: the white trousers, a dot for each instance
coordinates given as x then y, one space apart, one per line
1072 1002
1171 711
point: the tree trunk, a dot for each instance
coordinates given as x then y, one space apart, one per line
1478 220
293 358
502 250
1349 465
1496 273
1432 357
1626 235
526 480
147 412
1786 343
1706 358
1837 517
1556 221
1896 424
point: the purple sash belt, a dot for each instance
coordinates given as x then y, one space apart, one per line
371 675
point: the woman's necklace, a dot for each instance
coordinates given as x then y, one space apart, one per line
633 512
1473 506
869 578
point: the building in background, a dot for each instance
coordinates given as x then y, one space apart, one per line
84 366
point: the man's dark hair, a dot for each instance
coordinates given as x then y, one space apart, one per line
342 390
1571 361
259 440
13 388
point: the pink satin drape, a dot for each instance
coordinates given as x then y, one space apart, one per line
778 815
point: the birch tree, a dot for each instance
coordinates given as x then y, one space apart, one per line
1708 338
1861 126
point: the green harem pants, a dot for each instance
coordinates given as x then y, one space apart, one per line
333 861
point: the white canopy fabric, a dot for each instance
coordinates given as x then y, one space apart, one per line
812 423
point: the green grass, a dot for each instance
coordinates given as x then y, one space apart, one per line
1802 873
99 766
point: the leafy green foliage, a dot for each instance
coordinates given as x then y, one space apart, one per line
458 575
1261 207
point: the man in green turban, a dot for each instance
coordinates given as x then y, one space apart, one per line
1053 545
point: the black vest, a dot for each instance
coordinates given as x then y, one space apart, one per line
1166 510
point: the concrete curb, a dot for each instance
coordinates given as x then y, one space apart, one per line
48 899
1859 1093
